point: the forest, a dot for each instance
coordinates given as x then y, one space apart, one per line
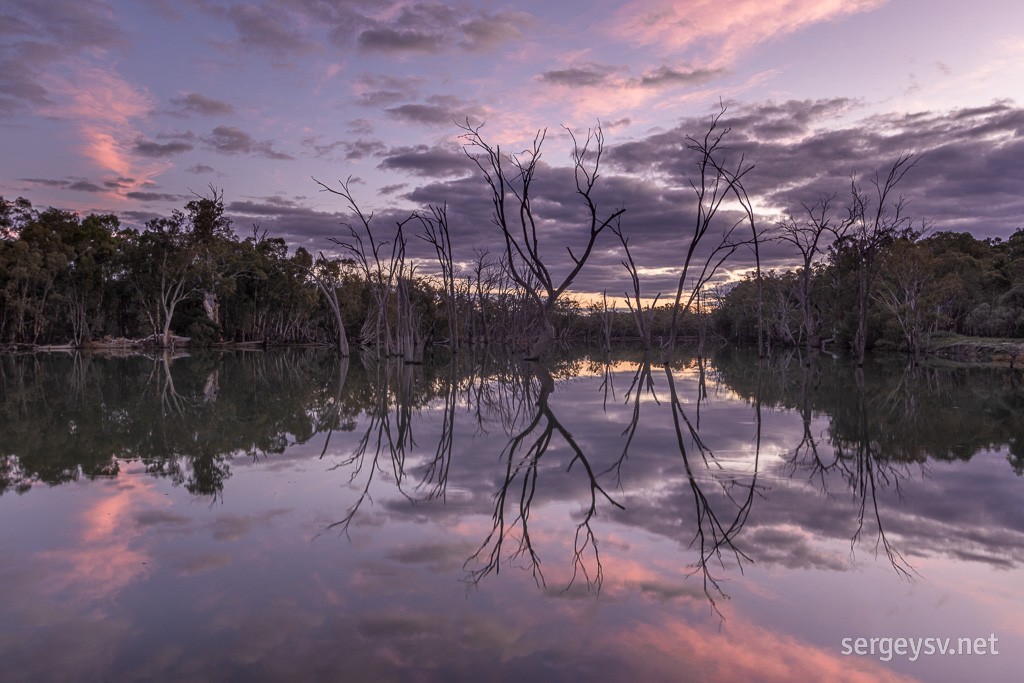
866 275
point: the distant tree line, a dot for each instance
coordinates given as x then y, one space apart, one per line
941 283
867 276
78 281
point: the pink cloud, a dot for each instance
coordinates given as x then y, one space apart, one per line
104 108
723 31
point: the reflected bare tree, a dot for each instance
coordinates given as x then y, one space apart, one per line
388 434
515 496
856 459
716 535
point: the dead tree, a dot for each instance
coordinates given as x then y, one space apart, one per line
435 231
510 179
713 185
642 316
876 219
325 281
384 275
807 237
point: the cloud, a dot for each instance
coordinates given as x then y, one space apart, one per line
722 32
105 108
199 169
668 77
392 40
148 148
270 29
154 197
490 31
966 180
78 184
349 150
234 140
422 160
36 36
194 103
440 110
433 28
580 75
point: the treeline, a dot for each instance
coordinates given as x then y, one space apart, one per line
78 281
942 283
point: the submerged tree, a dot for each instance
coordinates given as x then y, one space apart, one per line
876 219
807 235
510 178
715 182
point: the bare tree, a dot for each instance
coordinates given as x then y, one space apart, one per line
435 231
328 286
876 219
643 316
385 275
806 236
510 178
713 185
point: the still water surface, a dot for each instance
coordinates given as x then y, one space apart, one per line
290 516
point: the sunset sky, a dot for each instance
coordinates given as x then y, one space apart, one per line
131 106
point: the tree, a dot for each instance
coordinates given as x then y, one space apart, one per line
161 264
513 174
876 219
806 236
714 183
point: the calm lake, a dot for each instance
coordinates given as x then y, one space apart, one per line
286 515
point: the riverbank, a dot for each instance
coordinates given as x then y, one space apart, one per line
986 350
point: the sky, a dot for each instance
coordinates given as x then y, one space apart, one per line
135 107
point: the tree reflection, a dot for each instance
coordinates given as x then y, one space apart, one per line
522 458
184 418
716 534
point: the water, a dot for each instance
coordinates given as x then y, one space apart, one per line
289 516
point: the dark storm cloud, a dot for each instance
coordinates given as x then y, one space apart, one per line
234 140
440 110
964 178
427 161
36 35
391 189
666 76
579 76
968 178
194 103
199 169
148 148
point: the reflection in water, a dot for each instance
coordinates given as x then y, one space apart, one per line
744 473
522 458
